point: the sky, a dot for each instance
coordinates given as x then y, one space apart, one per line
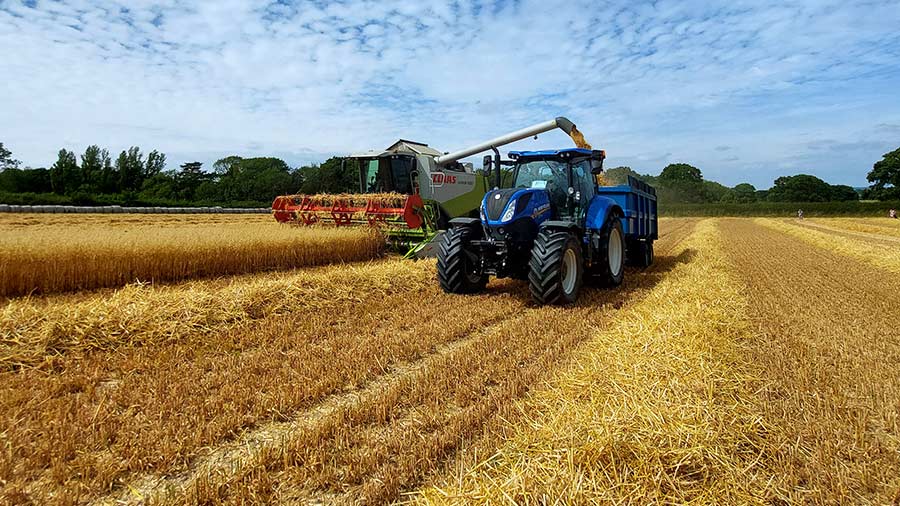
745 90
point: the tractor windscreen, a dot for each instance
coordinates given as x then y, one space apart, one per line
388 174
550 175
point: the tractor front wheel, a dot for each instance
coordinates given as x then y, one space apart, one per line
456 266
556 268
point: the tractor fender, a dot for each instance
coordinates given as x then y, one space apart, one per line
598 211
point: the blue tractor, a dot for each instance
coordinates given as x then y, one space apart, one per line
548 221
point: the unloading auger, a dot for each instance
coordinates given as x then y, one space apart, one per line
410 191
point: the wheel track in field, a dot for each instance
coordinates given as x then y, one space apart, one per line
230 454
829 344
229 458
885 240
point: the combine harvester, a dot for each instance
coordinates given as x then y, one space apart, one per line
410 191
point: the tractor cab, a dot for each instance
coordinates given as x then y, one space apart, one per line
568 177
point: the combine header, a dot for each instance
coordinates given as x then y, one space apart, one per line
409 191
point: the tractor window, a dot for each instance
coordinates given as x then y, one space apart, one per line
547 175
583 182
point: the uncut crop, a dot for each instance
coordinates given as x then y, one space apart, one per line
39 256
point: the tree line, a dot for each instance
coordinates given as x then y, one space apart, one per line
682 183
95 177
132 177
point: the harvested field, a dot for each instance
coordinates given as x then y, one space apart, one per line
828 341
750 364
881 252
42 254
875 226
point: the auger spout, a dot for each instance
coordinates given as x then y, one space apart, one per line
562 123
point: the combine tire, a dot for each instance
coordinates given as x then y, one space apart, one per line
610 265
640 254
455 266
556 268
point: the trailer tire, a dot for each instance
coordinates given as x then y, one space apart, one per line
455 266
556 268
610 264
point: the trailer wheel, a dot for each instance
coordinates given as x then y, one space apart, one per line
611 254
456 266
556 268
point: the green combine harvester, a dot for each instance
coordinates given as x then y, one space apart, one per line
409 191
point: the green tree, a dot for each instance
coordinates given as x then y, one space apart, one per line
681 182
800 188
843 193
14 180
332 176
6 159
109 178
130 168
885 177
253 179
65 176
160 186
189 178
156 163
742 193
91 168
714 191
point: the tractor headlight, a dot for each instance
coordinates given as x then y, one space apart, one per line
483 216
510 211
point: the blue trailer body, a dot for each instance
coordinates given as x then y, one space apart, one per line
638 203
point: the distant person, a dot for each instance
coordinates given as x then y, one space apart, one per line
799 214
892 214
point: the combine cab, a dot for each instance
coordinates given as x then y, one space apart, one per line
409 191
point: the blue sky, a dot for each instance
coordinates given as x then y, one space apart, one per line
746 91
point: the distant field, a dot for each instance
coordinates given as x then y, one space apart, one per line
755 362
42 253
868 209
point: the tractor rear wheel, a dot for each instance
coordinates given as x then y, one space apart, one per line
456 267
556 268
610 264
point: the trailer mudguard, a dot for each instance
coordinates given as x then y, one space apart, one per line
599 210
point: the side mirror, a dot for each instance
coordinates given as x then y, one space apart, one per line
597 158
487 162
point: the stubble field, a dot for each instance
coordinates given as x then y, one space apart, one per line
756 362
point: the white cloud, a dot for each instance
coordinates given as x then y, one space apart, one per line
652 84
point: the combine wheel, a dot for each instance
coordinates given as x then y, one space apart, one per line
456 266
611 254
556 268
